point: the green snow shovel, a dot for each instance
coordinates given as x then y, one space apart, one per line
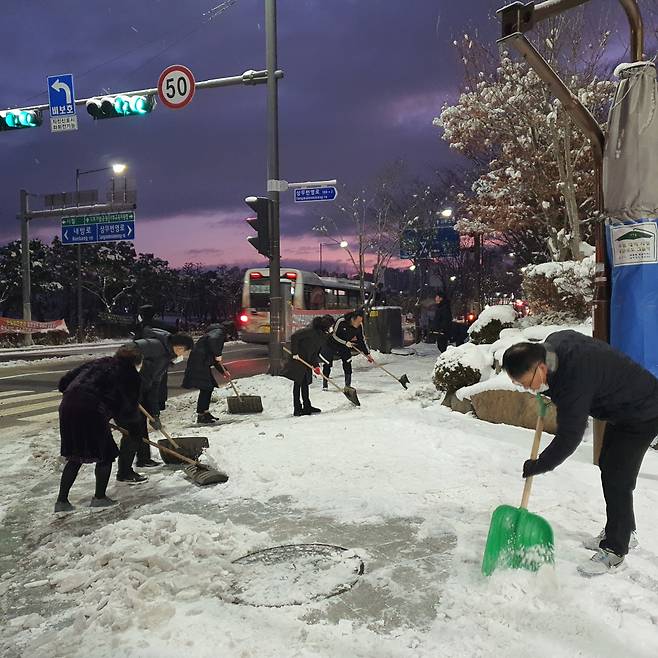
518 539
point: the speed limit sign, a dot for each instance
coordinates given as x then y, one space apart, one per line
176 86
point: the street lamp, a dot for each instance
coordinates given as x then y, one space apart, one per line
117 168
453 278
341 243
447 213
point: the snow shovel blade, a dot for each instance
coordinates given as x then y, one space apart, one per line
188 446
404 380
204 475
517 539
244 404
350 394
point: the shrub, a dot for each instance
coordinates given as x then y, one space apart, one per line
461 366
486 329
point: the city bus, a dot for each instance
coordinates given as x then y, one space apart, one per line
305 295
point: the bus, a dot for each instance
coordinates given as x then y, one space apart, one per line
305 295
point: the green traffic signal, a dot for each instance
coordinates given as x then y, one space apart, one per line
110 107
18 119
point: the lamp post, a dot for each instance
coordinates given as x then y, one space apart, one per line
341 243
117 168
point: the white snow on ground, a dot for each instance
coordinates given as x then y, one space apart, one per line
153 579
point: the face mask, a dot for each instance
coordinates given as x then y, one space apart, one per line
138 368
139 318
543 388
178 359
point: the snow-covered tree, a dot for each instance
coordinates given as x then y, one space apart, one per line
536 185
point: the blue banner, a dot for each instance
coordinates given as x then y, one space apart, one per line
633 256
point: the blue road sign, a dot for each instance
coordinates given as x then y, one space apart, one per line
106 227
438 242
61 98
327 193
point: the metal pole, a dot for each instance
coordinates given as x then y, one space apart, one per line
79 258
321 259
25 260
276 301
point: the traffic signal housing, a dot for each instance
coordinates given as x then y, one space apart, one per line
18 119
262 206
110 107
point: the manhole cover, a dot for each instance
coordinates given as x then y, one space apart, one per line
295 574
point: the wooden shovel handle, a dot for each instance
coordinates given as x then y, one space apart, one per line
161 430
176 454
308 365
215 374
539 428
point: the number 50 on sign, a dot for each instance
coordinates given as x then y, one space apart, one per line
176 86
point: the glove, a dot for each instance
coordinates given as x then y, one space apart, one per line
296 357
370 359
533 467
155 423
316 370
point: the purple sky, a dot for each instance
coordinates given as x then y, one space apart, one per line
363 81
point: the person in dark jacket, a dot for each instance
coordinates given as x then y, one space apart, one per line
586 377
158 354
94 393
441 324
204 357
347 333
306 343
146 323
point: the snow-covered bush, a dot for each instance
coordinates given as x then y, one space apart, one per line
561 290
461 366
486 329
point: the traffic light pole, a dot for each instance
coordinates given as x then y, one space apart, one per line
276 300
25 262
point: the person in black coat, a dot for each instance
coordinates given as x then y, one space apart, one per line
586 377
306 343
441 324
94 393
158 354
206 355
347 333
146 322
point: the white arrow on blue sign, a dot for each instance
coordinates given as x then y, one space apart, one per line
327 193
61 98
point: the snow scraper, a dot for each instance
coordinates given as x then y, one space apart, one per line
241 404
518 539
348 391
190 446
404 380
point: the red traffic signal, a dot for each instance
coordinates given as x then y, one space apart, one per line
262 206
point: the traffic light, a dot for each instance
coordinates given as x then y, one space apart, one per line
18 119
262 206
110 107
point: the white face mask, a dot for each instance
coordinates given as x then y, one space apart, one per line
138 367
542 389
178 359
139 318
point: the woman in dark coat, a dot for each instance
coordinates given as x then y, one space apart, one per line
206 354
442 322
306 343
94 393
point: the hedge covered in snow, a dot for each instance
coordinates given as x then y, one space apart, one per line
486 329
561 290
461 366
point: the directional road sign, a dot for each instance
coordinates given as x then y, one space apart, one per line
176 86
437 242
105 227
327 193
61 97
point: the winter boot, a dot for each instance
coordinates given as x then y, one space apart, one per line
312 410
102 503
63 506
206 418
132 478
593 543
602 562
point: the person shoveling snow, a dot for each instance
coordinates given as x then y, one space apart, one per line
584 376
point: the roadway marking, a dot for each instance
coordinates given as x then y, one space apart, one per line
32 396
6 394
40 417
15 411
32 374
